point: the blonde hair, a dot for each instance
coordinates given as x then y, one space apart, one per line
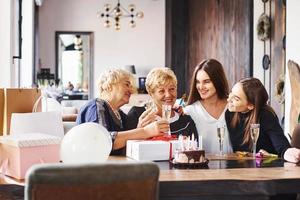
160 76
113 77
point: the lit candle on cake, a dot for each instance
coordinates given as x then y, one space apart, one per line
193 142
188 143
200 142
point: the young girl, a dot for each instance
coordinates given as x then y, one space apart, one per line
207 103
247 104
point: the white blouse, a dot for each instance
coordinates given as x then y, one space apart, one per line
207 128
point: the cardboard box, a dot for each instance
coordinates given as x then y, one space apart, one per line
21 151
149 150
1 110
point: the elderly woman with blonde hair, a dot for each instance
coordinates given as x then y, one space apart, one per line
115 88
161 85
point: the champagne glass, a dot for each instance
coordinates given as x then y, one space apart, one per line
166 114
221 136
254 133
150 105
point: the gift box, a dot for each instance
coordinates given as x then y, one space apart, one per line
19 152
149 150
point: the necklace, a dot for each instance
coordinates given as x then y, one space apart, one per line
116 112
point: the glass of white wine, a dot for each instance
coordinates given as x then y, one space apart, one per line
166 114
221 135
254 133
150 105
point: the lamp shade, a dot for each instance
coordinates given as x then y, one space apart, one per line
86 143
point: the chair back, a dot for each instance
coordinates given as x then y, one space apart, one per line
296 137
117 180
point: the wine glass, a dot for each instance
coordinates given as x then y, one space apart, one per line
254 133
150 105
166 114
221 136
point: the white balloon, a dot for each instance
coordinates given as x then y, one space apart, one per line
86 143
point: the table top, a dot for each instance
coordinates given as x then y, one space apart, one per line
218 168
230 175
232 167
231 162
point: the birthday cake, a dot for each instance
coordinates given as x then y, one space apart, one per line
189 156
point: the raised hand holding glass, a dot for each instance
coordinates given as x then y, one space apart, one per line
166 114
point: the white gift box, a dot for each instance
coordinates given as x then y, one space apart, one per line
39 122
19 152
150 150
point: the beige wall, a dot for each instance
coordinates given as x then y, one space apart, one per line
258 46
143 46
6 38
27 44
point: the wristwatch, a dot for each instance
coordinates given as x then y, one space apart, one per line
113 135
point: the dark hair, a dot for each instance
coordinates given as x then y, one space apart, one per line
256 95
215 71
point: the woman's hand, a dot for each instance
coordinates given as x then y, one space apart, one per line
264 154
147 117
157 128
178 108
292 155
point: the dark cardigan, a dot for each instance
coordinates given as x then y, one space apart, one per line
183 126
271 137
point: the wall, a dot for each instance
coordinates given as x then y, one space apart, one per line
143 46
6 50
258 46
27 44
273 47
17 72
292 50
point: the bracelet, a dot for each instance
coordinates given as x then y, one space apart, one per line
113 135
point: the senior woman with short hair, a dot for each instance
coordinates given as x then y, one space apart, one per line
115 88
161 84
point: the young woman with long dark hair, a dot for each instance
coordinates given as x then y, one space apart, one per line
247 104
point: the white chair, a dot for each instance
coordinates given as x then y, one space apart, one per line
50 104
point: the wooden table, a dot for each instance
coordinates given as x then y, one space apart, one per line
256 181
229 177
